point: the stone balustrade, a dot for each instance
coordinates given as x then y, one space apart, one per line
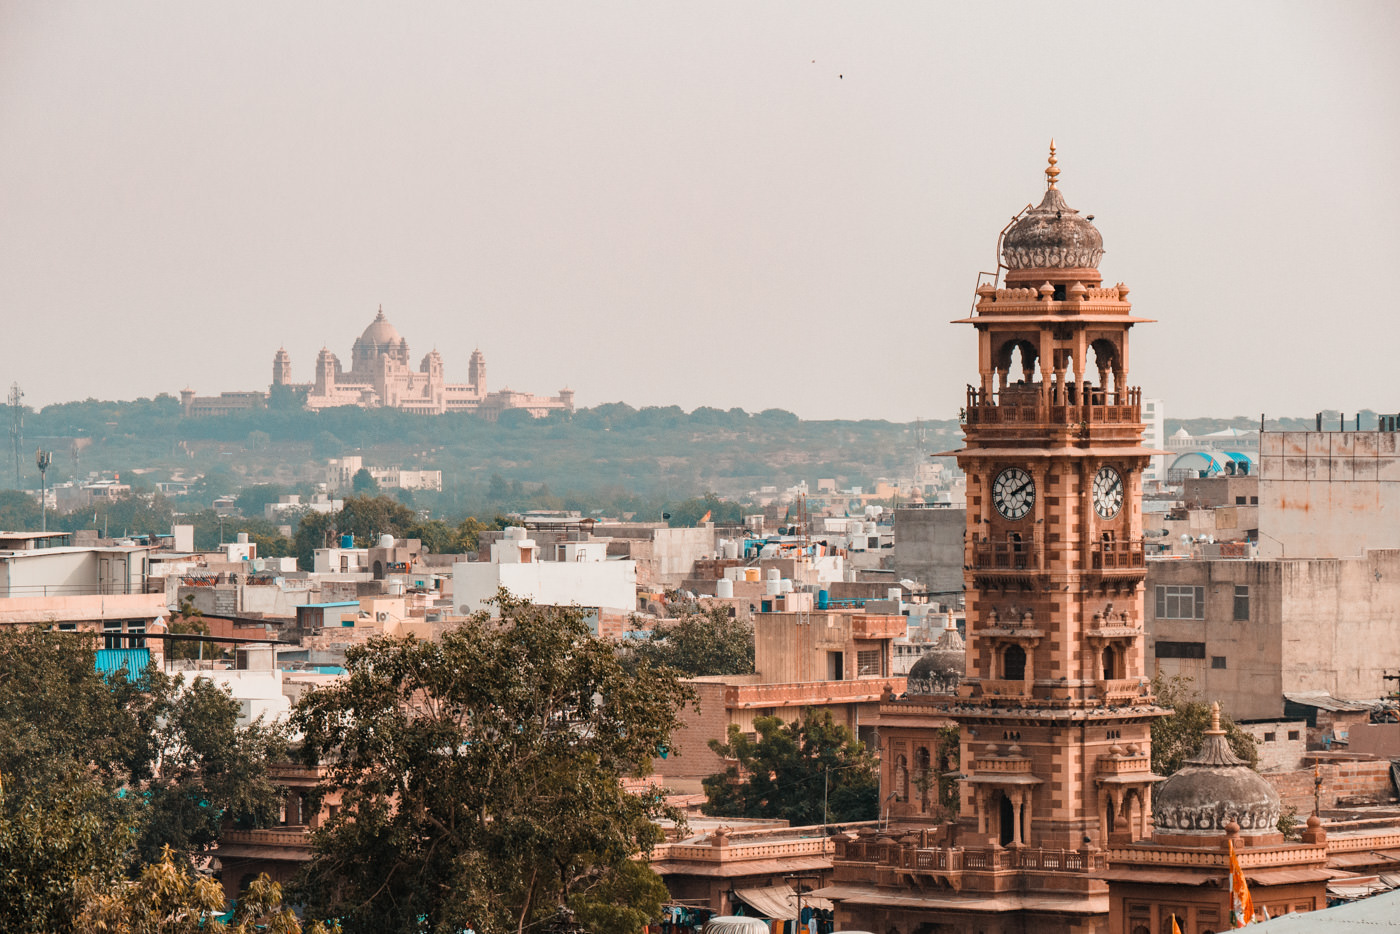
741 849
299 837
970 859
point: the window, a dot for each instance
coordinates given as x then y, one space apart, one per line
1217 661
67 627
868 663
1241 603
1293 735
136 634
1270 737
1239 500
1180 602
112 634
1254 501
1181 650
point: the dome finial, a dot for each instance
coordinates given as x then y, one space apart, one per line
1215 717
1051 172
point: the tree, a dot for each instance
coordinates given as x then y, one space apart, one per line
312 532
1178 736
368 517
811 772
363 483
167 898
480 776
188 621
103 769
699 644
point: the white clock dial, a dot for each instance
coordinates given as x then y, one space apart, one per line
1108 492
1013 493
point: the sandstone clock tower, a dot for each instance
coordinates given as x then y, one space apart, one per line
1055 709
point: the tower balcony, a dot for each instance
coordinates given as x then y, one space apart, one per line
1032 553
1027 404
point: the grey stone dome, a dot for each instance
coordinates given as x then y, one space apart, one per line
940 668
1052 236
1212 789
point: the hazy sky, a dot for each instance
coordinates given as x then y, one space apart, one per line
726 204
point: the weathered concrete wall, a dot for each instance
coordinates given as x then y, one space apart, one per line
1342 623
1376 739
1328 493
928 547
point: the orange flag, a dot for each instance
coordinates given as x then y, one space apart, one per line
1241 905
1175 929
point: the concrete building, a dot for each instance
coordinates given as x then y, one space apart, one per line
805 659
70 570
381 374
928 547
575 574
1155 437
1248 631
1328 493
341 471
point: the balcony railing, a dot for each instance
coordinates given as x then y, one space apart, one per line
1023 405
971 859
1025 555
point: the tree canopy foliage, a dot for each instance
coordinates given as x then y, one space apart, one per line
704 643
811 772
101 774
1178 736
480 777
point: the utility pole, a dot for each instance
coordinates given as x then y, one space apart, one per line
43 459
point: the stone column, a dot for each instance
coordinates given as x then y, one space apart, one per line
1018 798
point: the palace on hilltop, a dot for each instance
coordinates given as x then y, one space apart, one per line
381 374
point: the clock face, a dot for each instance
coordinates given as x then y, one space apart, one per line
1108 492
1013 493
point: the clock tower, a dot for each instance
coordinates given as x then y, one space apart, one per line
1055 709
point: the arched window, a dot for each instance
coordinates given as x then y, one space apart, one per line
901 778
1008 820
1013 663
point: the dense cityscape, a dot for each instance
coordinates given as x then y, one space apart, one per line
382 646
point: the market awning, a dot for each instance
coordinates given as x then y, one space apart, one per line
778 902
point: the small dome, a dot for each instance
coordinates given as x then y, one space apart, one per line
1052 236
940 669
380 332
1214 788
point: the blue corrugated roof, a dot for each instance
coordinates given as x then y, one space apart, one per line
132 661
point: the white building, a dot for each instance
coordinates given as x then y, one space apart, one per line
1154 416
575 573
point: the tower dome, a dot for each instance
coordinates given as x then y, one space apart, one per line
1052 235
1214 788
380 333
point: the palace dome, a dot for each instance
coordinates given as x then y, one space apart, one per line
380 332
1052 235
1214 788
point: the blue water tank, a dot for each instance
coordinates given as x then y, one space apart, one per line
823 599
347 541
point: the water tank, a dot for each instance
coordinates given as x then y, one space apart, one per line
751 575
731 550
724 588
242 538
771 588
515 534
785 585
347 541
773 574
386 540
895 594
396 588
823 599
